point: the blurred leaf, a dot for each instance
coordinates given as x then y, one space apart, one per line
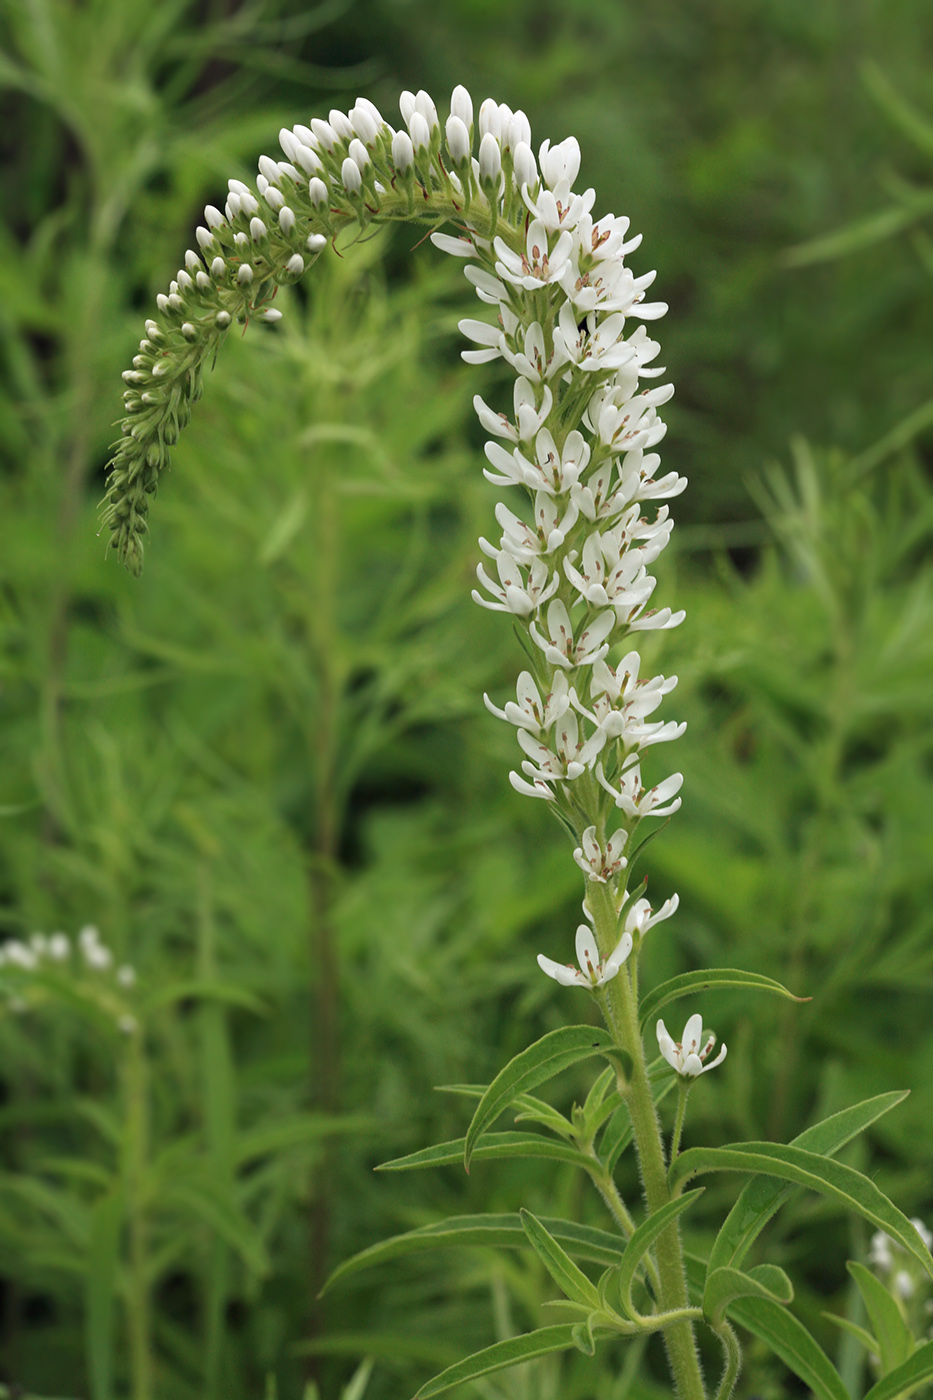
102 1289
906 1376
890 1330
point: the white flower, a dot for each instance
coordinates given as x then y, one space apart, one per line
632 798
592 972
640 919
560 162
571 755
536 266
601 863
517 595
562 649
686 1056
528 417
531 712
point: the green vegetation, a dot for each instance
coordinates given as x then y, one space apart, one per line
262 770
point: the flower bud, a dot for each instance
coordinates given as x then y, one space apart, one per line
425 105
218 269
359 154
350 175
269 169
308 161
403 155
341 124
317 191
490 160
523 164
407 106
286 220
325 134
274 198
316 241
295 265
222 320
257 230
490 122
204 236
244 275
458 140
203 280
270 316
364 125
461 105
420 132
213 217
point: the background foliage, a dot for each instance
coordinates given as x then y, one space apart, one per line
262 771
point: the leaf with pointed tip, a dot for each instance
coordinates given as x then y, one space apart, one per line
859 1333
642 1240
717 977
571 1280
895 1341
844 1184
556 1051
581 1241
820 1173
905 1377
724 1285
496 1358
493 1146
761 1197
789 1339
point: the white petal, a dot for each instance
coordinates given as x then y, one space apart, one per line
566 976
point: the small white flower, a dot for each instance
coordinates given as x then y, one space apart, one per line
640 918
126 975
686 1056
562 649
560 162
591 972
599 863
531 712
632 798
537 265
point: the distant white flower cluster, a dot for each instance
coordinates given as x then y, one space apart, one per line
895 1264
56 952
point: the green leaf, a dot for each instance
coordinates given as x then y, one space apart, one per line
534 1110
201 989
861 233
763 1196
725 1285
101 1292
642 1240
864 1338
582 1241
570 1280
496 1358
895 1341
494 1146
790 1340
904 116
903 1378
556 1051
718 977
213 1208
844 1184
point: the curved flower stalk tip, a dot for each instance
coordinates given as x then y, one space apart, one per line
686 1056
585 513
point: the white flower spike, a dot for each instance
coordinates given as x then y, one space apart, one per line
592 972
685 1056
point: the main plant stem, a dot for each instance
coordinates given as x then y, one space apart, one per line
679 1339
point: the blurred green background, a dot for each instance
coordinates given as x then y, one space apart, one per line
263 771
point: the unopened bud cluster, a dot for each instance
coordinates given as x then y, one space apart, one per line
86 960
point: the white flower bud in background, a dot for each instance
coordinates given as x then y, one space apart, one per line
270 169
192 261
286 220
340 123
359 154
295 265
59 947
218 269
204 236
461 105
425 105
350 175
213 217
126 975
458 140
222 320
403 155
316 242
270 315
326 135
519 131
420 132
317 192
364 125
241 241
490 160
308 161
490 120
407 106
244 275
184 279
274 198
523 164
257 230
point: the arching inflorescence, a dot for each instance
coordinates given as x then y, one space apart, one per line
573 452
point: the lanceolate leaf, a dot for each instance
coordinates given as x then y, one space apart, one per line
791 1341
849 1187
581 1241
915 1369
644 1237
895 1341
556 1051
498 1357
762 1196
723 1286
493 1146
717 977
571 1280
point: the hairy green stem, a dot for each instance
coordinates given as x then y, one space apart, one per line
679 1338
733 1359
